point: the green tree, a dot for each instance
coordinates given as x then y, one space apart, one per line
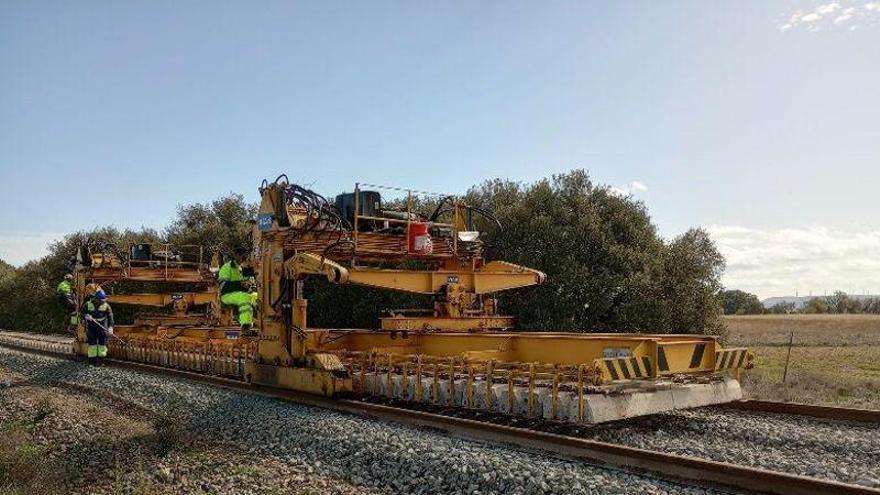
782 308
692 269
6 271
223 225
816 305
871 305
607 268
841 303
738 302
600 252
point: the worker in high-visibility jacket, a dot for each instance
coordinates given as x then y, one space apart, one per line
233 293
67 299
99 326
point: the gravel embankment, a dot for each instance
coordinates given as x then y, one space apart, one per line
837 450
58 442
346 453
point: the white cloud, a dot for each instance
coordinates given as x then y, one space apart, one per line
826 16
17 248
816 259
827 8
628 189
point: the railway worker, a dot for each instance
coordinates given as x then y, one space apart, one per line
91 290
230 277
233 293
67 298
245 312
99 326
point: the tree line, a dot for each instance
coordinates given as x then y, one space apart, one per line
737 302
838 303
608 268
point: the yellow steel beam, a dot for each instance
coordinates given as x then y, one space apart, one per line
432 282
143 274
491 277
539 347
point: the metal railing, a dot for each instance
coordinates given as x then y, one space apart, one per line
408 221
148 262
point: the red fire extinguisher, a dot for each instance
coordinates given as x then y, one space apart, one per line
419 239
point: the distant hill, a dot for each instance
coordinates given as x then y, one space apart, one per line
800 302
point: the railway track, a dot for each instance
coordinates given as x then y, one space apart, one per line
823 412
691 470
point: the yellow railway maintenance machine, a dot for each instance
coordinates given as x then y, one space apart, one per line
458 353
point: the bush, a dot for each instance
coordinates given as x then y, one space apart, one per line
607 268
737 302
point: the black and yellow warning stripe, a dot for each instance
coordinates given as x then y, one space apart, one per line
726 359
626 368
695 361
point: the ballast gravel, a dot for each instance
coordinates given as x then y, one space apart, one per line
372 454
843 451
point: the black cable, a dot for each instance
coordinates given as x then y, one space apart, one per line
439 210
321 214
488 215
285 284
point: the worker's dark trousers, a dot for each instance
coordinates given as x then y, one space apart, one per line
97 340
69 303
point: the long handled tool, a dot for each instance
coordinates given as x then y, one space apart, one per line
106 330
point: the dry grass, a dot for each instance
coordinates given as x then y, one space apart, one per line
830 330
834 358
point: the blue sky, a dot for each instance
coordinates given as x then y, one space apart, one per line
755 119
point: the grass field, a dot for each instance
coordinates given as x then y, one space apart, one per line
835 359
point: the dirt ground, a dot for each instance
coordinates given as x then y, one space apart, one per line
834 358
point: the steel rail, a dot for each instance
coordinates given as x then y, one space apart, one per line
685 469
797 409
